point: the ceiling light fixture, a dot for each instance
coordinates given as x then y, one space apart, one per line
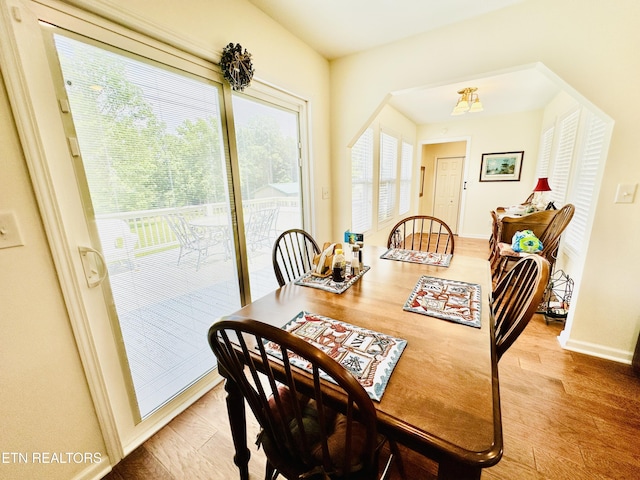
468 102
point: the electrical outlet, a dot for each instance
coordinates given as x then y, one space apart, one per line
9 232
325 193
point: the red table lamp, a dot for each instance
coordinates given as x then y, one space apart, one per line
541 187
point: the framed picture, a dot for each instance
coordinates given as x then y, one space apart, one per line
422 181
501 167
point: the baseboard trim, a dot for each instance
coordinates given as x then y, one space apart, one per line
94 471
475 236
595 350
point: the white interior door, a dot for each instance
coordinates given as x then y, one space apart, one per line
446 205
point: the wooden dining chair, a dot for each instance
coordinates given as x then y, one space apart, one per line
292 255
494 240
529 199
516 298
422 232
550 239
318 421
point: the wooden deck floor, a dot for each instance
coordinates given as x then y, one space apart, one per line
565 416
165 310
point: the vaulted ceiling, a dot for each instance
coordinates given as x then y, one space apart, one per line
336 28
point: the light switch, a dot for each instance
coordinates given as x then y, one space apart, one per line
626 192
9 233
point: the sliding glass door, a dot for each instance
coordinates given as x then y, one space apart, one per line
153 170
269 157
136 171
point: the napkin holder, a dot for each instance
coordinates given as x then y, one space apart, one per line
322 262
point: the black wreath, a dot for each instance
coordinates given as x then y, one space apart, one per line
236 66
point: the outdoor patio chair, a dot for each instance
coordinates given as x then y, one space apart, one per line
190 238
316 423
423 233
260 227
117 240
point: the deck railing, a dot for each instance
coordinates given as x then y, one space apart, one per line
154 233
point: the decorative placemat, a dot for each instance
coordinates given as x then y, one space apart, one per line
370 356
327 283
446 299
415 256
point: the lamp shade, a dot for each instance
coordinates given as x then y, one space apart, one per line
542 185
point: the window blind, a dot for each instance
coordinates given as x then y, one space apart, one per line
362 182
585 182
388 176
559 179
406 166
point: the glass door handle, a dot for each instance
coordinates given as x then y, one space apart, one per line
95 268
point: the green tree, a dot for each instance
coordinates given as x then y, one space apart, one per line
196 163
132 162
119 135
265 155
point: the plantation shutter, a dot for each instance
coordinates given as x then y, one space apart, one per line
545 153
406 165
388 173
559 179
362 182
585 182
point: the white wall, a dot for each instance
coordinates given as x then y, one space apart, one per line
588 44
505 133
45 404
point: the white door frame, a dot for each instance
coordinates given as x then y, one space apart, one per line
465 172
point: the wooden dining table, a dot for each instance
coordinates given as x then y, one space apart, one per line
442 399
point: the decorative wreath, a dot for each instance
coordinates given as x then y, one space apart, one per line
236 66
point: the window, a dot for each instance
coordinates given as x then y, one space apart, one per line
582 195
559 179
388 176
392 161
406 166
362 182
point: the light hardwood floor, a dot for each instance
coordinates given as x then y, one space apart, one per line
565 416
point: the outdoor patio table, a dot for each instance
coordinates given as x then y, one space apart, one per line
216 226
